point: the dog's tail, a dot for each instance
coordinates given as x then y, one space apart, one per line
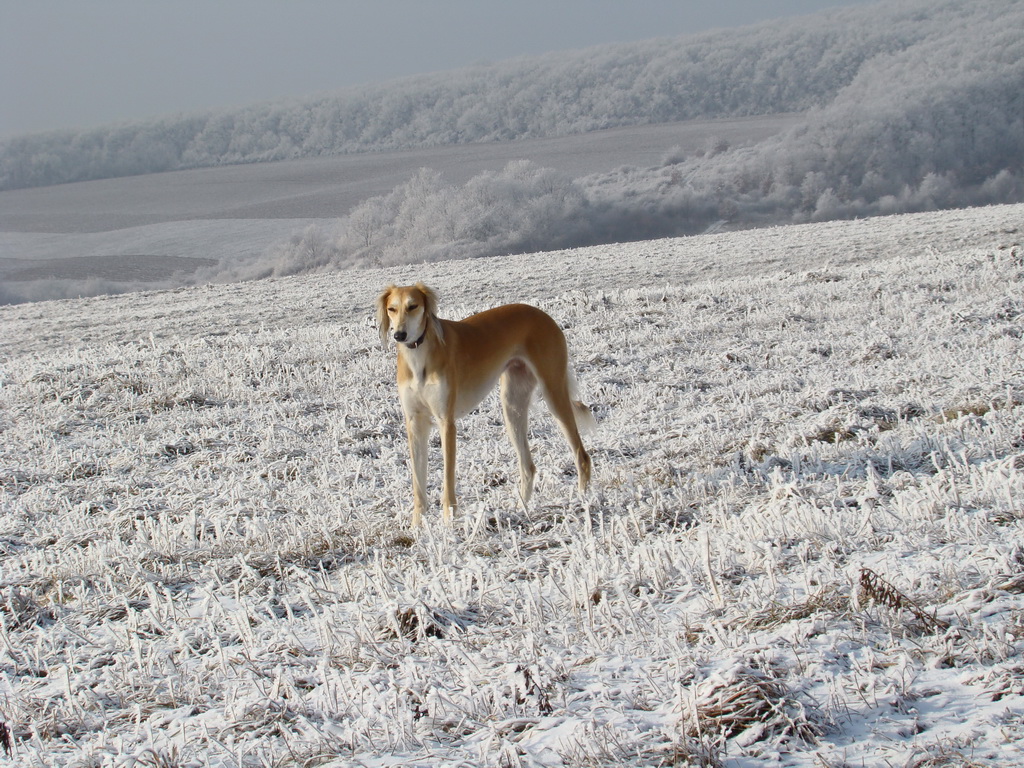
585 421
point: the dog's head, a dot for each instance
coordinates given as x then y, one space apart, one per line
407 312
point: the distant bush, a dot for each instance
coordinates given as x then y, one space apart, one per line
522 208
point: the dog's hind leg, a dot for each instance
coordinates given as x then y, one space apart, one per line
517 385
565 410
448 503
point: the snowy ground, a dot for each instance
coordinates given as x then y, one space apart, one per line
803 545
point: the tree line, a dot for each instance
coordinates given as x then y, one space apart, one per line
932 125
910 105
781 66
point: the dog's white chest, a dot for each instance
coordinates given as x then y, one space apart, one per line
424 391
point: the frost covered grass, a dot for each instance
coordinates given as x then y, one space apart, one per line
803 547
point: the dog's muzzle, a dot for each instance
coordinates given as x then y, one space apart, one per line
403 338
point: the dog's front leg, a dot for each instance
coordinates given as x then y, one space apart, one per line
417 426
447 427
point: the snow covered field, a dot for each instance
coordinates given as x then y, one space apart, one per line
803 545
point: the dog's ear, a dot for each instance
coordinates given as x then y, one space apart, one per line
383 321
430 308
429 298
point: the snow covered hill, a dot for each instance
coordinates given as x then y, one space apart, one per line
166 230
803 545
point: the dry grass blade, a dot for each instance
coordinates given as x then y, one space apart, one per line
942 756
751 702
874 587
5 739
829 599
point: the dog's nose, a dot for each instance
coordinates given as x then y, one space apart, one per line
400 335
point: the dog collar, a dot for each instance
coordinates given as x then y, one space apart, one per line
414 344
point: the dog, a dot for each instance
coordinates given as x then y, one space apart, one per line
445 368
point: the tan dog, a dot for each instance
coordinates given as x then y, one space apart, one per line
446 368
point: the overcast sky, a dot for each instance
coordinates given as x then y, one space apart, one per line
82 63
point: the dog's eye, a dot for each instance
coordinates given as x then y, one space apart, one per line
413 307
392 310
